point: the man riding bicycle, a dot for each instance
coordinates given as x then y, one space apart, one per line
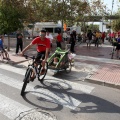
43 47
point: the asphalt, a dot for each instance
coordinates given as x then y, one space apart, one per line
97 61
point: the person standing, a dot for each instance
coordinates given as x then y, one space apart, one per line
118 47
103 37
98 38
59 39
50 37
65 36
72 40
89 36
19 43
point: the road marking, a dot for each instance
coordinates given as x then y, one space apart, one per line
59 98
76 86
11 108
13 69
72 85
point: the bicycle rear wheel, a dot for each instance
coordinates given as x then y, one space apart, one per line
42 74
68 66
26 80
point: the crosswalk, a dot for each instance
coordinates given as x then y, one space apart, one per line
12 108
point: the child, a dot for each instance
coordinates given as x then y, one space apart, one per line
3 51
56 60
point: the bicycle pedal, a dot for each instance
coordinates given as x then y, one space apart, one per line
32 78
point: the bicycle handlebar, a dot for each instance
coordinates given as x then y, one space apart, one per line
26 57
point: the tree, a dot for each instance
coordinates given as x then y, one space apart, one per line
115 24
10 19
93 27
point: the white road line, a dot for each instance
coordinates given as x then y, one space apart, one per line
59 98
67 84
13 69
11 108
63 83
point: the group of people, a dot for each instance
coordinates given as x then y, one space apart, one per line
96 37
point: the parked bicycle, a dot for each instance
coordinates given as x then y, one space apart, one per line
4 54
36 68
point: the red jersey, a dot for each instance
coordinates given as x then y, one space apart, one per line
59 38
119 33
41 44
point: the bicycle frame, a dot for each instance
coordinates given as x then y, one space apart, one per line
35 68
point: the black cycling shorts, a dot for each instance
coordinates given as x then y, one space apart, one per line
40 55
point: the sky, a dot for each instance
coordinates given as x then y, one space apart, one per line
109 4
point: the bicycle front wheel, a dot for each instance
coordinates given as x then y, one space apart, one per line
42 72
26 80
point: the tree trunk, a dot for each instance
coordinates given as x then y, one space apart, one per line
8 48
24 39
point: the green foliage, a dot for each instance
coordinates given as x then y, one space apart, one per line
116 25
10 18
93 27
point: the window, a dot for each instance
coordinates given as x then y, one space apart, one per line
49 29
57 29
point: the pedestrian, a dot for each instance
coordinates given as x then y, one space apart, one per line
103 37
118 47
89 37
72 41
19 43
4 53
50 37
59 39
65 36
98 38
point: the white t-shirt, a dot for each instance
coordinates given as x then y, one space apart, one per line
50 37
64 35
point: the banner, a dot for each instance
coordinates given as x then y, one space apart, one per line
65 26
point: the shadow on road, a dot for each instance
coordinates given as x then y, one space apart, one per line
90 103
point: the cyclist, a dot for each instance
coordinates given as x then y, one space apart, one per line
43 47
118 46
3 51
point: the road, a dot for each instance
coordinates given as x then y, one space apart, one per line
66 97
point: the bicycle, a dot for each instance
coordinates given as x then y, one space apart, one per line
5 54
35 67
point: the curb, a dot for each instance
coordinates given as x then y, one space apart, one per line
103 83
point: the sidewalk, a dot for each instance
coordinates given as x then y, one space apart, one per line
102 69
107 71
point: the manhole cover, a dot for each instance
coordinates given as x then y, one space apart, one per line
36 115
